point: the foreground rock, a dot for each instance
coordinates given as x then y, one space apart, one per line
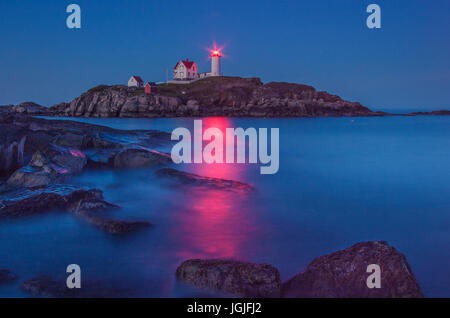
45 286
87 203
137 158
54 165
343 274
95 212
219 96
6 276
181 178
21 202
23 136
237 278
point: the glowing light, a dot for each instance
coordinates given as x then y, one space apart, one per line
215 51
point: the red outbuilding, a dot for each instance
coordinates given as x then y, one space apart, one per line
151 88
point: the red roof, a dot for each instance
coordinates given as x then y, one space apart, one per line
186 63
138 79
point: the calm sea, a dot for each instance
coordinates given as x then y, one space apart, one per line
341 181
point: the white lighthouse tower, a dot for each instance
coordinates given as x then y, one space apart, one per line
215 63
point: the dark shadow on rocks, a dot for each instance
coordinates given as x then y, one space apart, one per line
6 276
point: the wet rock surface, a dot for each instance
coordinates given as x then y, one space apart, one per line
54 165
96 212
6 276
19 202
181 178
87 203
137 158
343 274
237 278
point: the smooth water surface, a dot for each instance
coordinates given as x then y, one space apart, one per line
341 181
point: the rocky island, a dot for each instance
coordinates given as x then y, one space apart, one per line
214 96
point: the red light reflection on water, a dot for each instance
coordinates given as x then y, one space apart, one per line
217 223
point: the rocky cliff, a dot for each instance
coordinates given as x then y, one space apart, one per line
218 96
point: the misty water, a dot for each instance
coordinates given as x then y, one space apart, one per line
341 181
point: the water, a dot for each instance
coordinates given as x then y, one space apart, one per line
341 181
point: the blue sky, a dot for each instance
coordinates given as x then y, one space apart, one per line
324 43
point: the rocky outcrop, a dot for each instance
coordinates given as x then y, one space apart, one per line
180 178
137 158
30 108
11 153
86 203
46 286
6 276
218 96
343 274
93 211
54 164
237 278
23 136
20 202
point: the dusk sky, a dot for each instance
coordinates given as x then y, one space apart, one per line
404 65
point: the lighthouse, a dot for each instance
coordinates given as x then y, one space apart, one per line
215 63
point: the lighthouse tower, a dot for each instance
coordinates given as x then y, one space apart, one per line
215 63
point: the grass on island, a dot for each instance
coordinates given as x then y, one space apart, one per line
205 85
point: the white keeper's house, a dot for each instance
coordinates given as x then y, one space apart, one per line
185 70
135 81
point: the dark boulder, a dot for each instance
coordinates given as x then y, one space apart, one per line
343 274
6 276
237 278
181 178
46 286
96 212
18 202
137 158
54 165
